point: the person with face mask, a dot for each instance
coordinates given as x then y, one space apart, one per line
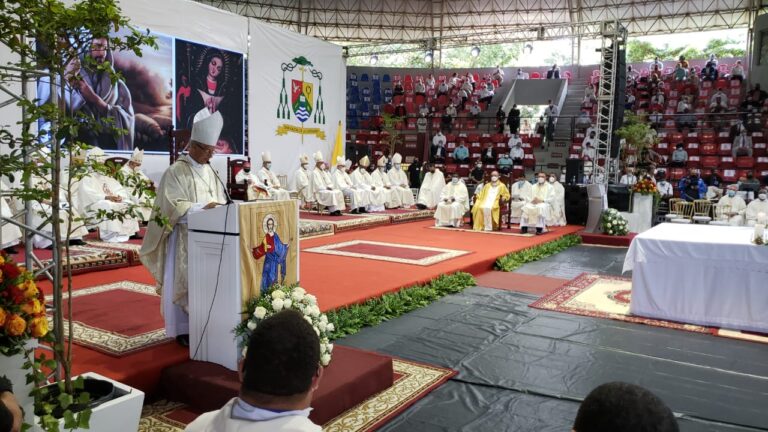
557 217
461 153
256 189
322 188
486 213
381 180
431 188
521 195
588 151
358 198
437 151
629 178
516 151
361 178
399 180
302 181
133 169
454 203
692 187
275 190
537 211
732 207
665 188
478 173
758 208
742 145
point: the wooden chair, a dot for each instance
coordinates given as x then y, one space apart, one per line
684 212
671 207
702 210
721 214
237 191
177 141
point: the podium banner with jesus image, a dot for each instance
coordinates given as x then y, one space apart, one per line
269 246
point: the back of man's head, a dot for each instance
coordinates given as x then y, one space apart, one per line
282 358
6 418
619 406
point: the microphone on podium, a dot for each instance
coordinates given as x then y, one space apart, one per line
226 192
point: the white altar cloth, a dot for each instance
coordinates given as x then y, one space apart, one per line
700 274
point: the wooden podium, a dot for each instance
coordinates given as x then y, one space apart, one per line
215 253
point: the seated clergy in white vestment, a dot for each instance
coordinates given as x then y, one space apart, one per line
557 217
256 189
732 206
133 169
97 192
536 212
276 384
11 234
431 188
359 198
361 178
486 213
758 208
303 181
520 195
275 190
322 188
454 203
381 180
399 179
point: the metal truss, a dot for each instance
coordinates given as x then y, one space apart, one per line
459 22
614 37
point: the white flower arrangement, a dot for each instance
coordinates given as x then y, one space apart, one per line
283 298
613 223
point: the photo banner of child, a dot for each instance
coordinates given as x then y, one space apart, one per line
269 246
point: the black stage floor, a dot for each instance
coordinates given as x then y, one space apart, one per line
522 369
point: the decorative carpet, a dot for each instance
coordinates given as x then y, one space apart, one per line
309 229
413 381
504 231
392 252
131 249
408 215
116 319
84 259
609 296
347 222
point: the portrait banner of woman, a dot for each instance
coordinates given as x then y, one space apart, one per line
212 78
269 246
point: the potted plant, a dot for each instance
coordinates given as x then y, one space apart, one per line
48 40
638 137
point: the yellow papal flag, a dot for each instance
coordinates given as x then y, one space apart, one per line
338 148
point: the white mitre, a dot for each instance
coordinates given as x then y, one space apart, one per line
206 127
397 158
318 156
137 156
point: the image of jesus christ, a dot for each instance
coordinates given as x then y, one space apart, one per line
274 253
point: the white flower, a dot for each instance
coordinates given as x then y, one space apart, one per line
278 294
287 303
330 327
324 319
311 299
322 326
251 325
317 330
314 311
325 359
610 231
259 312
277 305
244 351
308 319
329 348
608 224
299 290
297 296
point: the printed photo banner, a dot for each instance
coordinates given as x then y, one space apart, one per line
269 246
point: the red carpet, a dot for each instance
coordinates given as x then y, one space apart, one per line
402 254
338 280
606 240
519 282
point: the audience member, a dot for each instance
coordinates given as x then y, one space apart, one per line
665 188
686 120
279 375
657 64
421 124
501 118
624 407
400 110
461 153
504 164
756 207
712 60
474 110
680 73
414 173
521 75
742 145
525 128
589 151
498 75
430 82
750 183
513 119
733 207
656 118
442 89
477 174
658 98
737 72
463 95
692 187
398 89
486 95
683 62
679 156
553 73
589 93
437 153
419 88
629 178
489 155
758 95
709 73
583 121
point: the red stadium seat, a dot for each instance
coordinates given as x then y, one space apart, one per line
529 161
727 162
710 162
676 173
535 75
728 175
745 162
761 163
693 162
725 149
759 149
708 149
692 148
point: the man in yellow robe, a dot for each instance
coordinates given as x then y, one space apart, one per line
537 211
486 211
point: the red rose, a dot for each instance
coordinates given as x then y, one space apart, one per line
11 271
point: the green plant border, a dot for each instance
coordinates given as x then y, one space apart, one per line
351 319
514 260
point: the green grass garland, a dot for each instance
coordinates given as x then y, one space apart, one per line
511 262
351 319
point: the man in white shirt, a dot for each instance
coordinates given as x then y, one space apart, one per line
276 384
399 179
520 74
536 212
454 203
733 206
665 188
323 190
303 181
437 152
629 178
270 180
359 198
588 150
380 180
657 63
256 188
516 151
757 207
431 188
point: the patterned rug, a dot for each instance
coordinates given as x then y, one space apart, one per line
348 222
508 232
309 229
131 249
83 259
116 319
409 215
413 381
392 252
608 297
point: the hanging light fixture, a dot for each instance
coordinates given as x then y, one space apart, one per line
374 59
428 56
475 51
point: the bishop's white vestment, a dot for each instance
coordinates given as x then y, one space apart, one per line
380 180
453 205
399 180
274 188
537 214
734 205
431 188
358 197
754 208
324 192
145 209
93 191
362 180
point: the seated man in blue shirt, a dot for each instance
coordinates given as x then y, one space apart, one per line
461 153
692 187
504 164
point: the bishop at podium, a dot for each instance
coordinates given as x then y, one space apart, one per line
189 185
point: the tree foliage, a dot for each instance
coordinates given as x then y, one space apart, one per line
490 56
643 51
